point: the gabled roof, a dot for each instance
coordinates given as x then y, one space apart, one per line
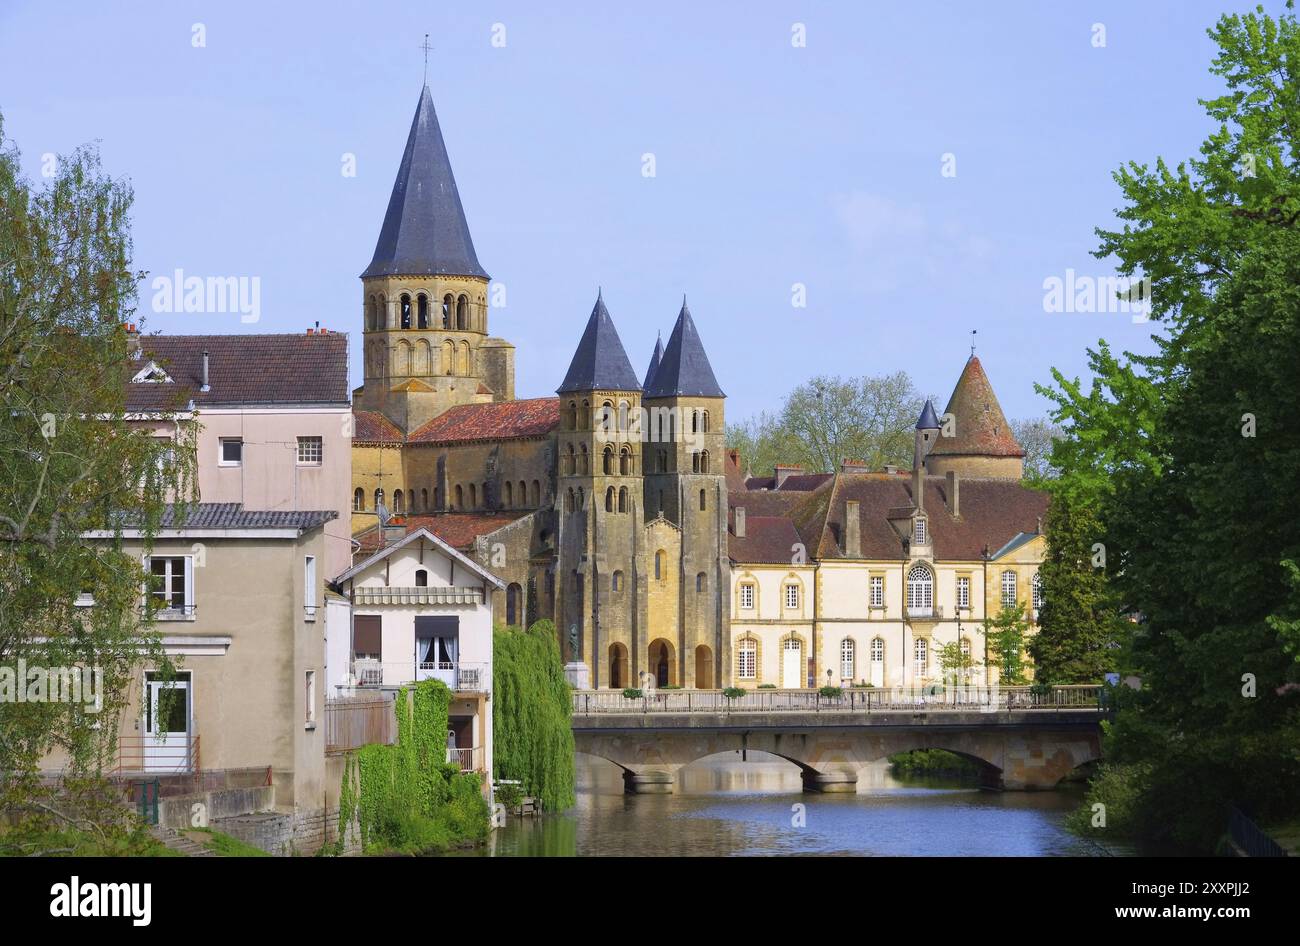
655 359
437 543
600 363
424 231
979 426
498 420
684 370
374 427
243 369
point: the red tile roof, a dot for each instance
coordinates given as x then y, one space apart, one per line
768 540
457 529
979 426
374 427
243 369
505 420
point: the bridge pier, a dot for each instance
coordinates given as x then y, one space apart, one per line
648 782
838 781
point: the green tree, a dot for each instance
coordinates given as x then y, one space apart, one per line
1036 435
957 667
1006 634
830 419
71 461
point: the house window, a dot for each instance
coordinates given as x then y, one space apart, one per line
232 451
311 451
1036 584
310 689
421 578
963 592
309 587
1008 589
747 659
922 657
846 659
965 648
877 650
747 597
877 591
792 596
921 536
170 585
358 500
920 590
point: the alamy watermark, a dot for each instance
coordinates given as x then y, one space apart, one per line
211 294
1105 294
26 683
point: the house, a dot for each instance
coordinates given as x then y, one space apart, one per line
422 610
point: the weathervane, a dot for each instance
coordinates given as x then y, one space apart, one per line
426 47
972 341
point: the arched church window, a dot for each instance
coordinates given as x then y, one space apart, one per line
473 496
422 311
704 461
379 498
625 462
462 313
447 304
622 499
608 465
397 502
359 500
609 499
406 311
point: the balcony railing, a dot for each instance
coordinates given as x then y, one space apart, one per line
462 676
467 760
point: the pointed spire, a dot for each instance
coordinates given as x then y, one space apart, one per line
928 419
425 231
655 359
684 369
979 426
600 361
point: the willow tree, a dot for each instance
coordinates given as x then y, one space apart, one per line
71 463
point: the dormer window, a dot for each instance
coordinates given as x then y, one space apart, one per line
151 374
920 535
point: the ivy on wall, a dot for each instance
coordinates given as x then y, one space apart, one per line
532 709
407 798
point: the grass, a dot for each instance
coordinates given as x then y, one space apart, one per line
72 842
223 845
1285 833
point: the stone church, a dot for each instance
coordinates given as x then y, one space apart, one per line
604 508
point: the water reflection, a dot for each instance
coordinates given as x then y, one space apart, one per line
723 806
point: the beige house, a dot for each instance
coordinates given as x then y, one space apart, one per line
422 610
861 577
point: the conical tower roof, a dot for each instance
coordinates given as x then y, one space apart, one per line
655 359
684 369
979 426
600 361
928 419
424 231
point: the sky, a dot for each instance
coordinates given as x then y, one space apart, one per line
808 144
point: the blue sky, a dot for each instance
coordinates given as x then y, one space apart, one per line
774 165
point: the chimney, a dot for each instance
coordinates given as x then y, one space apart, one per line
891 469
782 471
852 534
132 342
206 387
740 522
918 486
849 465
954 494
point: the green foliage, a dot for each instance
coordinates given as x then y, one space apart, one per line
223 845
1188 461
71 462
831 693
733 693
409 799
955 666
509 795
1006 640
932 762
532 712
1119 789
632 693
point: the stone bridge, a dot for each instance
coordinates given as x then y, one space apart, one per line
1023 749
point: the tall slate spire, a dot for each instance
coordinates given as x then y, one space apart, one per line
600 361
424 231
657 357
684 369
928 420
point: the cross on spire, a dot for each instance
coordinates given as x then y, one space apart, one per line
426 47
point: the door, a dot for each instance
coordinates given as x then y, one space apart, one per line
877 662
792 664
167 725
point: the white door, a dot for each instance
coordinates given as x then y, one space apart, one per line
877 664
167 726
792 665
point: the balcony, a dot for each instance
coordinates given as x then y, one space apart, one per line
467 760
460 676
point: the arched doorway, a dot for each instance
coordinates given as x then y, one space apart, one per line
662 664
703 667
618 667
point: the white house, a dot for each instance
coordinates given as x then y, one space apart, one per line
420 610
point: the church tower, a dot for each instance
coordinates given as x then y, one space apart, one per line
425 296
598 505
685 485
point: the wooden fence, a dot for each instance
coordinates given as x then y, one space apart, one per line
355 721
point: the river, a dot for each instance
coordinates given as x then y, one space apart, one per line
723 807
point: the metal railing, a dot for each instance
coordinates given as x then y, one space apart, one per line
864 700
1248 836
463 676
467 760
355 721
147 754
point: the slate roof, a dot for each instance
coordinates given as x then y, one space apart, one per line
928 419
600 362
502 420
235 516
242 369
993 512
769 540
684 370
457 529
979 426
374 427
424 231
655 359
